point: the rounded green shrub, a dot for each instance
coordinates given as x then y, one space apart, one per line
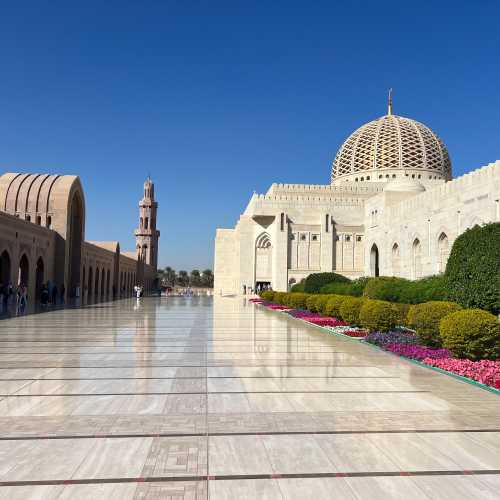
297 300
377 315
268 295
425 318
321 302
280 298
333 305
298 287
471 333
349 310
401 311
385 288
315 281
473 269
311 303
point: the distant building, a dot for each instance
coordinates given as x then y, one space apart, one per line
391 209
42 238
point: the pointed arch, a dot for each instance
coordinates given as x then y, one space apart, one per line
396 259
263 240
443 251
416 253
374 260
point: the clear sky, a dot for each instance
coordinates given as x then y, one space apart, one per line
218 99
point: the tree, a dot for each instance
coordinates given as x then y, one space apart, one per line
195 278
207 278
183 278
170 276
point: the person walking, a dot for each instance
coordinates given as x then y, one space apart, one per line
54 295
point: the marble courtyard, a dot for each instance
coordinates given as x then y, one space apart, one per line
191 398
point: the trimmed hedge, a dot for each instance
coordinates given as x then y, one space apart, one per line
473 268
333 305
297 300
472 334
315 281
268 295
377 315
401 311
425 318
298 287
349 310
405 291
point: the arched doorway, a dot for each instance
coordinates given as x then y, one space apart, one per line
5 269
39 277
102 282
24 271
75 242
84 283
374 261
96 286
444 251
263 261
417 259
396 260
90 282
107 282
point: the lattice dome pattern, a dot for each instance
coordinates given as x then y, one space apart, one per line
392 143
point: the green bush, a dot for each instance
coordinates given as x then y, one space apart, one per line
471 333
401 311
280 298
427 289
405 291
311 303
333 305
385 288
321 302
473 269
297 300
425 318
377 315
315 281
354 288
268 295
298 287
350 308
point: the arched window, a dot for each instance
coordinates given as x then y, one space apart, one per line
39 276
146 223
416 259
5 268
443 251
141 222
24 270
90 282
374 261
96 285
396 260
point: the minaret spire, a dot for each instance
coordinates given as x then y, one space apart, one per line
389 103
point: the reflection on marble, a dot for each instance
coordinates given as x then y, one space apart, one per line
180 390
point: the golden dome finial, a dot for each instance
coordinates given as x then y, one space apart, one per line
389 103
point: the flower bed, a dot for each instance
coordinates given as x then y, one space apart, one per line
399 336
415 351
402 342
484 371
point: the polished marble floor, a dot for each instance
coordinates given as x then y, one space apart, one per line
195 398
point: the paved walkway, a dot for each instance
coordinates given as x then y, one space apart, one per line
124 400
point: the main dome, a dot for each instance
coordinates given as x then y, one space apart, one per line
392 147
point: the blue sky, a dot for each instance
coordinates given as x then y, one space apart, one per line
218 99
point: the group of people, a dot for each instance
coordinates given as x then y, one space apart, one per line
8 293
50 294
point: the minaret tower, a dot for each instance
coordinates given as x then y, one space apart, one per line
146 236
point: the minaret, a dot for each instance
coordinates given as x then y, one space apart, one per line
389 103
146 236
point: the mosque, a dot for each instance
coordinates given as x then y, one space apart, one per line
42 238
392 209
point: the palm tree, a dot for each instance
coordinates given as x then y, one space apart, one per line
183 278
170 276
207 278
195 278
